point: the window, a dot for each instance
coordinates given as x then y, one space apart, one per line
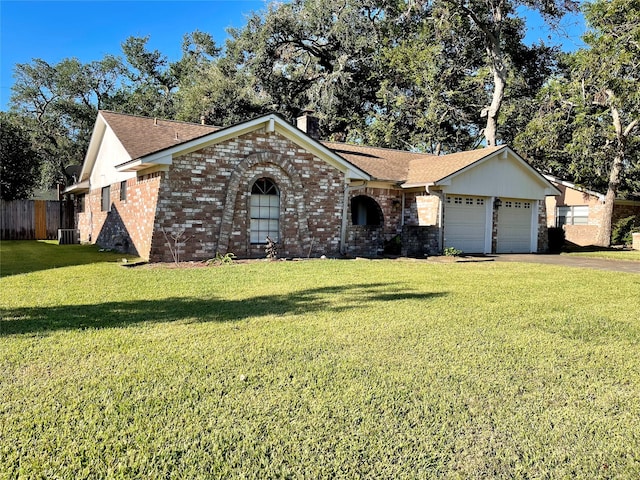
572 215
80 203
265 211
106 199
123 191
365 211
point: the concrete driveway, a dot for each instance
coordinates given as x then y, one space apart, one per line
572 261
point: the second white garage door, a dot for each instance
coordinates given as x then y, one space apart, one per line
514 226
465 223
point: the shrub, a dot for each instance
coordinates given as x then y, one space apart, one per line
226 259
556 239
393 246
271 249
452 252
623 228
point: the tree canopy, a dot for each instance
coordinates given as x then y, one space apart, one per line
427 75
19 163
586 127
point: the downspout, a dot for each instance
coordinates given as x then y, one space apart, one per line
88 200
345 207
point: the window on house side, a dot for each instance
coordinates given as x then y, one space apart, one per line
123 191
106 199
572 215
264 211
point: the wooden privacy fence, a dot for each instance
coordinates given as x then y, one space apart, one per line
34 219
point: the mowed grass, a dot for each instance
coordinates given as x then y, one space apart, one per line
320 369
28 256
628 255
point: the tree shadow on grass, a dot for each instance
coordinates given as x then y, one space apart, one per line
334 299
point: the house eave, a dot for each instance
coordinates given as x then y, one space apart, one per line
418 185
144 163
271 123
78 188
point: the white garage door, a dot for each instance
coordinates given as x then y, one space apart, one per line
465 223
514 226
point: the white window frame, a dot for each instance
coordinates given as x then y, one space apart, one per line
573 215
264 212
106 199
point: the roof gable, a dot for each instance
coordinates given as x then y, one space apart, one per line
269 123
500 172
430 170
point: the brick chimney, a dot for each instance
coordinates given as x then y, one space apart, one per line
309 124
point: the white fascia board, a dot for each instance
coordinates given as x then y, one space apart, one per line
160 158
80 187
97 135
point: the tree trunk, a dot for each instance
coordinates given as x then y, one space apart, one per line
604 231
492 112
603 238
499 70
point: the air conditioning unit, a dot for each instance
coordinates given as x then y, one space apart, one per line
68 236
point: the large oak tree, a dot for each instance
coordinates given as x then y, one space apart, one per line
587 127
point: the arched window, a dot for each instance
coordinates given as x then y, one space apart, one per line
365 211
265 211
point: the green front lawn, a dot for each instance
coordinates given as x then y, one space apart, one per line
29 256
319 369
629 255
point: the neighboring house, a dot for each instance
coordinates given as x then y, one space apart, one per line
227 189
579 211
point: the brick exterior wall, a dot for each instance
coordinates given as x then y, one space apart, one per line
410 208
543 230
369 240
420 241
364 241
586 234
128 226
428 207
206 194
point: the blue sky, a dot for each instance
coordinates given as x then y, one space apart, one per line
53 30
88 30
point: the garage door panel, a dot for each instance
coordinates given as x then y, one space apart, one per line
465 223
514 226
